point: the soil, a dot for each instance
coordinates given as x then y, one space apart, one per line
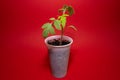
56 42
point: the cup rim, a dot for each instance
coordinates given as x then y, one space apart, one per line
57 36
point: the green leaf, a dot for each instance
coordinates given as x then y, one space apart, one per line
45 33
70 10
51 30
73 27
47 29
52 19
57 24
63 21
46 25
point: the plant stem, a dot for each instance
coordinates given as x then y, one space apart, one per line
62 31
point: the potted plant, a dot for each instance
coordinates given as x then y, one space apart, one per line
58 45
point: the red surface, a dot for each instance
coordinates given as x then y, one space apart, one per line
95 53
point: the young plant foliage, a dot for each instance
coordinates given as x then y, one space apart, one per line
52 19
73 27
70 10
59 23
62 19
48 29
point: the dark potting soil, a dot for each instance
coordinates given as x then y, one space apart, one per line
56 42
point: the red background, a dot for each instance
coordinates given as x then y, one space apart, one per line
94 53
